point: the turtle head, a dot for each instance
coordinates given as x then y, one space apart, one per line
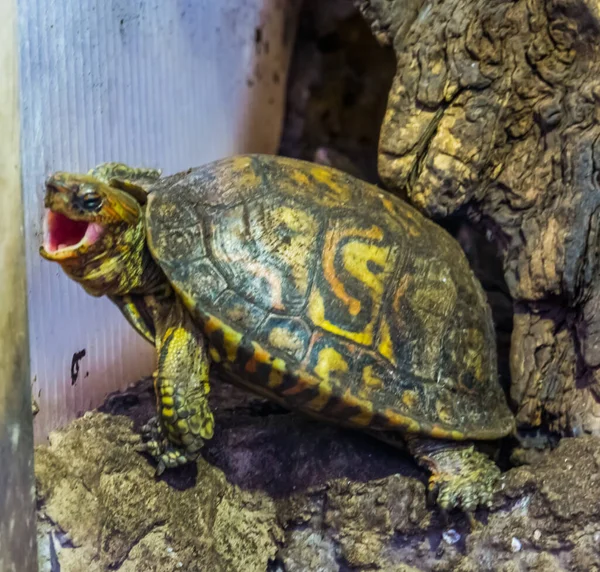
94 228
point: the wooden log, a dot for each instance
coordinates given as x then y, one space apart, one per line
494 112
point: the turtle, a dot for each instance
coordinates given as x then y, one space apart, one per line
301 284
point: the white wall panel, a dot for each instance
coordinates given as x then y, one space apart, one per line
165 83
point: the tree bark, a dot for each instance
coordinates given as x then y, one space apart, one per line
494 113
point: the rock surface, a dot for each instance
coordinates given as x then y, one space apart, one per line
277 492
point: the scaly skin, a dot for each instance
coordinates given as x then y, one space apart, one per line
461 476
118 264
181 385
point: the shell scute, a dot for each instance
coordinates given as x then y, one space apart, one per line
332 296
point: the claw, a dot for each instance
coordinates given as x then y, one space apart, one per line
167 454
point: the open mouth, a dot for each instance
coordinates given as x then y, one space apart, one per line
64 234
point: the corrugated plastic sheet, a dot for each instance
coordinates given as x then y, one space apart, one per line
170 84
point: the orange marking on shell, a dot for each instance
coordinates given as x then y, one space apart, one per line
332 238
260 354
211 325
400 292
251 365
389 206
304 381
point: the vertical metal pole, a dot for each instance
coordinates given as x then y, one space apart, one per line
17 498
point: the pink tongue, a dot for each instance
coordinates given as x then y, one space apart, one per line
94 230
64 232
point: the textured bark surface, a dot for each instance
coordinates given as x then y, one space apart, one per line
275 492
493 114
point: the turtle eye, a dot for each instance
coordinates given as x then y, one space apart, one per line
91 201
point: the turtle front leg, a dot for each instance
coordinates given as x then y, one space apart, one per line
461 476
176 435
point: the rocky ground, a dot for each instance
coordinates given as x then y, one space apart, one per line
277 492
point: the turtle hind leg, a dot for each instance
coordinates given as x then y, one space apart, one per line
461 476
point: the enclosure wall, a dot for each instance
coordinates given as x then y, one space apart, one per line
17 515
164 84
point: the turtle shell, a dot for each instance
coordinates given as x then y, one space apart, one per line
331 296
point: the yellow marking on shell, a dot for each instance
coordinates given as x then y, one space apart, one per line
356 256
332 239
438 432
167 401
261 355
303 381
365 414
277 371
386 345
243 173
475 353
231 341
410 398
369 381
214 354
397 420
294 253
443 412
329 361
316 312
299 177
283 339
325 176
412 229
231 337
